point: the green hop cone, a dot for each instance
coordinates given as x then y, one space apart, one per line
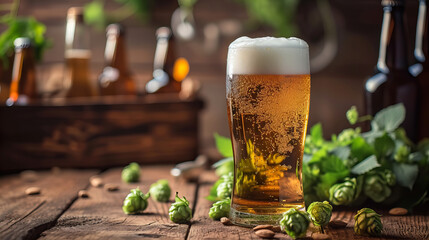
180 212
390 177
131 173
220 209
377 184
160 191
320 213
135 202
352 115
344 193
295 223
402 154
368 223
224 190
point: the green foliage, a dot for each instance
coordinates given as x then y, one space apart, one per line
131 173
384 161
220 209
278 14
378 184
366 165
135 202
223 145
180 212
368 223
295 223
95 14
352 115
224 166
160 191
22 27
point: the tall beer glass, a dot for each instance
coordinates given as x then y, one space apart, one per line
268 96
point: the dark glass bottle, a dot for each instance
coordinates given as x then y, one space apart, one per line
77 55
115 78
163 65
23 87
392 82
420 68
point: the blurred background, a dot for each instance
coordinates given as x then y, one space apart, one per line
343 37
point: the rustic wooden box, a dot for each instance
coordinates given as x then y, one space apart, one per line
99 132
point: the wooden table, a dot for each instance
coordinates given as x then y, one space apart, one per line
58 213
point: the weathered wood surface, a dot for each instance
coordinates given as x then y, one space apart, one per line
415 226
25 217
104 132
100 216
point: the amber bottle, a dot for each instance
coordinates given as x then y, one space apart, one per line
392 82
420 68
23 87
77 56
164 60
115 79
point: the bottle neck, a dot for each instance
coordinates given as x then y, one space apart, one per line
114 54
77 37
393 53
23 76
419 52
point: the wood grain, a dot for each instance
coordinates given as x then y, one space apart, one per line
414 226
25 217
99 132
100 216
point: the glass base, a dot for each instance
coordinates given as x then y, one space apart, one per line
251 220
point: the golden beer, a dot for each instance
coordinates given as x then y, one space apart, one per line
268 107
77 74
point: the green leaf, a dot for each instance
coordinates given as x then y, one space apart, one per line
330 178
316 134
406 174
366 165
224 145
23 27
352 115
384 146
332 163
390 118
342 152
360 149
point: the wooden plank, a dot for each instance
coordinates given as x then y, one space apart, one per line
404 227
25 217
104 132
100 216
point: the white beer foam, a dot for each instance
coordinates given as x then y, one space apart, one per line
268 55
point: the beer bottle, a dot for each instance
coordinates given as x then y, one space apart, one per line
23 86
115 78
392 83
163 65
420 68
77 55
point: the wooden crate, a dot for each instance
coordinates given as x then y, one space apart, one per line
99 132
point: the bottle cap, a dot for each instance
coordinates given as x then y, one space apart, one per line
115 29
22 42
392 3
75 13
163 32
